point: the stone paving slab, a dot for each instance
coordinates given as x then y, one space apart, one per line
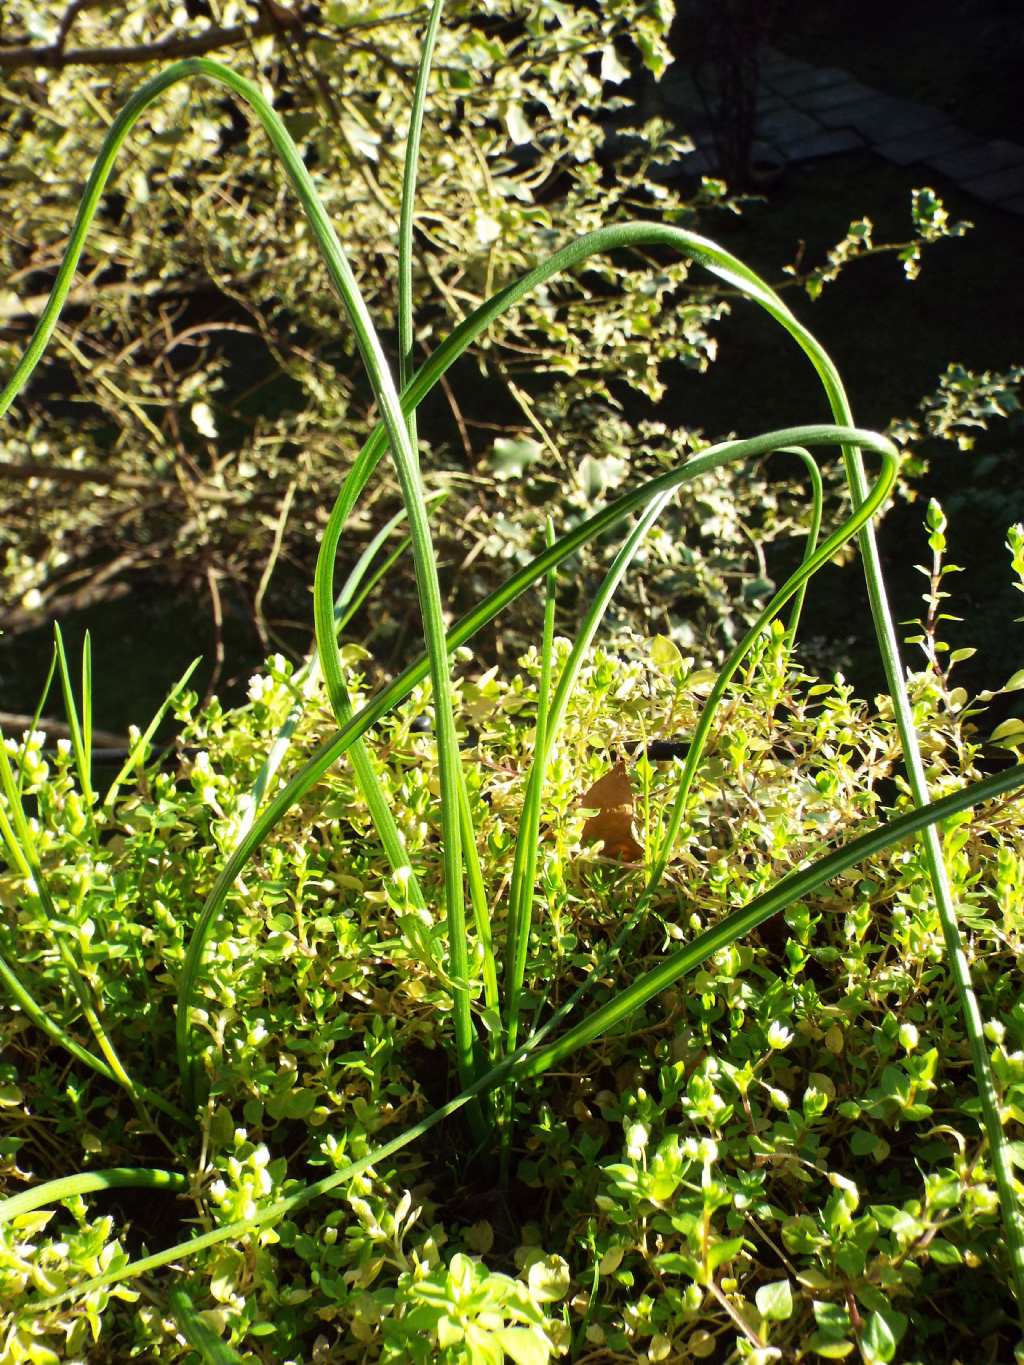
881 118
826 142
845 91
768 103
940 140
776 65
997 186
797 83
787 125
971 162
806 112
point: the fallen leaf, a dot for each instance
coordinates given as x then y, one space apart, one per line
614 789
611 797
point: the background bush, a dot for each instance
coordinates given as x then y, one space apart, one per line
201 393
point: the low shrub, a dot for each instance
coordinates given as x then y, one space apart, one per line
778 1157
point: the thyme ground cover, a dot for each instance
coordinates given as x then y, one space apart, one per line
286 982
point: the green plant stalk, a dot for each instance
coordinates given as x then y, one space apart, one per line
814 558
136 757
482 922
366 777
354 590
521 888
813 531
333 748
406 463
88 1182
23 998
524 870
407 210
81 749
533 1060
734 273
387 830
212 1349
810 564
463 823
87 708
956 959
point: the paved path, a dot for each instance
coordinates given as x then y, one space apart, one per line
809 111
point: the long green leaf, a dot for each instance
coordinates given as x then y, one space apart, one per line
80 733
728 269
406 464
407 211
464 630
137 753
813 530
814 558
524 869
212 1349
88 1182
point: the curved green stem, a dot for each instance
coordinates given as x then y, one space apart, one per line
525 862
406 463
88 1182
813 531
734 273
332 749
405 220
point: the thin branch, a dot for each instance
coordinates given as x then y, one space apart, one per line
70 15
217 613
270 24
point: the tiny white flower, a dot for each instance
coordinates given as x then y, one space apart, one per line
779 1036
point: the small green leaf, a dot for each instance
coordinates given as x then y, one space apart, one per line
301 1104
510 457
862 1142
832 1348
548 1279
722 1252
882 1335
665 655
1010 733
675 1263
222 1127
523 1345
775 1301
945 1253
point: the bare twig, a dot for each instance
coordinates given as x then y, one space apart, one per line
57 55
268 569
217 611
